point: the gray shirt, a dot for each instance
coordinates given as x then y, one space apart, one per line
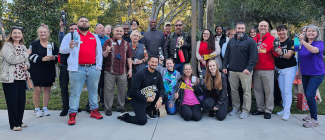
152 40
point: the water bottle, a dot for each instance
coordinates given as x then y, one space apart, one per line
64 20
75 38
201 77
160 53
296 42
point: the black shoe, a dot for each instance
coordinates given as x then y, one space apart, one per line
121 110
79 110
123 115
211 113
267 116
64 112
87 110
102 105
150 116
108 112
257 112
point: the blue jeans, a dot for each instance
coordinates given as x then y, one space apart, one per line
88 75
171 110
179 67
310 84
286 78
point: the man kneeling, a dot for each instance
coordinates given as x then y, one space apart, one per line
147 86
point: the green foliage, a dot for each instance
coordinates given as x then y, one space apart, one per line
30 15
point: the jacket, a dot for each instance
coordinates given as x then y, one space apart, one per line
9 58
139 53
222 94
73 59
242 55
197 92
171 44
216 52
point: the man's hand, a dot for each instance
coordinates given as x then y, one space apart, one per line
158 103
224 71
215 108
61 26
108 50
150 99
129 74
246 72
71 44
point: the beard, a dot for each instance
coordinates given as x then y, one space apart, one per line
241 34
152 67
83 28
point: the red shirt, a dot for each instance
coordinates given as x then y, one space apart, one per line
87 51
266 52
204 50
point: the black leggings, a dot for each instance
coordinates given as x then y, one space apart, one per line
140 110
191 112
221 113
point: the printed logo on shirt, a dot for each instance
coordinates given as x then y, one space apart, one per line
149 91
262 48
155 78
91 38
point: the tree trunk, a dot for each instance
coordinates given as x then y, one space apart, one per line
43 9
200 16
2 30
210 14
153 11
193 34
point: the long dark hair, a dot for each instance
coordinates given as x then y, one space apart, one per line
211 41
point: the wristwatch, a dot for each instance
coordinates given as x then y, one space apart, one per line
130 70
161 101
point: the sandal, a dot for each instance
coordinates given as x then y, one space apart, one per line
24 125
18 128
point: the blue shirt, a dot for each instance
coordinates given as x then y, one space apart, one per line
102 39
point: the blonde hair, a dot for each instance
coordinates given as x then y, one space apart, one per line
208 78
38 30
134 32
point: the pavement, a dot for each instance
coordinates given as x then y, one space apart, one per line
171 127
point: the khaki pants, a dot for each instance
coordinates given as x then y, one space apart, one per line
109 88
246 81
263 81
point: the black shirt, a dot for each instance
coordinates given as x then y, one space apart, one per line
214 93
281 62
144 79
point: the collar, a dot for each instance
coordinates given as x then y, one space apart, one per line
165 33
82 34
115 39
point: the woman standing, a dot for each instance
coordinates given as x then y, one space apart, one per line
190 107
170 78
13 75
207 46
286 63
42 69
108 31
312 69
215 89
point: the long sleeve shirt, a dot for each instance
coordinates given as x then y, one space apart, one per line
153 39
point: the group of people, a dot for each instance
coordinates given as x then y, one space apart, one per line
151 70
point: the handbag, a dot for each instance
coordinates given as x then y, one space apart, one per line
29 84
297 81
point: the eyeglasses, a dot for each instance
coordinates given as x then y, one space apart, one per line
135 35
178 25
72 29
207 34
134 24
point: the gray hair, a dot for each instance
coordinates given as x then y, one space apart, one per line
318 37
240 23
135 31
303 28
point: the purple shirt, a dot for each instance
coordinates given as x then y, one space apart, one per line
312 63
189 96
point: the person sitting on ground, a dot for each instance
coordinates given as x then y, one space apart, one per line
188 102
148 87
170 78
215 87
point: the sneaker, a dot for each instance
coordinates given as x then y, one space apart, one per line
18 128
72 119
123 115
88 110
46 112
234 112
211 113
95 114
64 112
312 123
121 110
280 113
307 119
38 113
286 116
150 116
243 115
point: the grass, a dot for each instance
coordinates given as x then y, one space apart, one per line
56 104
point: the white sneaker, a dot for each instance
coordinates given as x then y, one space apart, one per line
286 116
234 112
243 115
38 113
280 113
46 112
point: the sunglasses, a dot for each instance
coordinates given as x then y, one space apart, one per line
134 24
16 27
126 28
178 25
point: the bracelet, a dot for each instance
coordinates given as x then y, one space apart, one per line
130 70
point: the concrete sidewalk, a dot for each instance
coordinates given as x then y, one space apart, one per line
172 127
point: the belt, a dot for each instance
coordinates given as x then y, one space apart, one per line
87 65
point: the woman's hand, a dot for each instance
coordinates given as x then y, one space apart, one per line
29 51
176 95
301 37
204 63
215 108
278 51
46 58
197 81
170 105
25 67
52 57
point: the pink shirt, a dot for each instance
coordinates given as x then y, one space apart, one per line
189 96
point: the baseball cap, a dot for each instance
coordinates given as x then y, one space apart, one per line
167 23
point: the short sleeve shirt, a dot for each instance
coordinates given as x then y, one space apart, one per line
283 63
312 63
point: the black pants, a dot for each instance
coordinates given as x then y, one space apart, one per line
64 82
100 88
15 94
209 104
140 110
277 92
191 112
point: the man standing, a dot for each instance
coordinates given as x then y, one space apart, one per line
84 65
263 78
64 73
167 29
126 35
153 39
171 51
100 32
240 58
117 52
135 26
147 86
